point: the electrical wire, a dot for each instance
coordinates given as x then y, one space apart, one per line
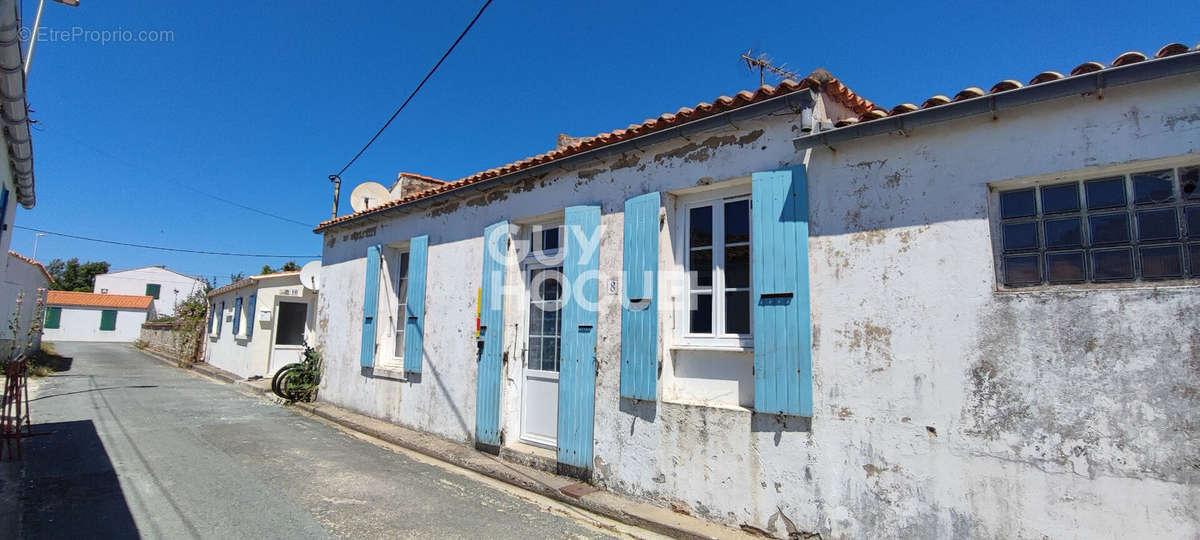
418 88
160 248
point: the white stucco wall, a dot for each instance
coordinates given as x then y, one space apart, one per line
943 408
256 355
21 277
175 287
83 324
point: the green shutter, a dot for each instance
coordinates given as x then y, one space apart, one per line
53 317
108 319
152 289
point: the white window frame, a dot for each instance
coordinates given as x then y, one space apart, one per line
389 299
684 203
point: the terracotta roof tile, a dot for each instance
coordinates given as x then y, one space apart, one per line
1124 59
25 259
87 299
819 80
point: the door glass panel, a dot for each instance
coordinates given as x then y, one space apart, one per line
544 319
289 329
701 316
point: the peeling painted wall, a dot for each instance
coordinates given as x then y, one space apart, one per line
944 408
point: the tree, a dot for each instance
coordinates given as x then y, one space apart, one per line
234 278
70 275
289 266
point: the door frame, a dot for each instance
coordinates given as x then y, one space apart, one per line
528 266
308 317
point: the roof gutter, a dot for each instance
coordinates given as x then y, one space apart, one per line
798 100
14 112
1089 83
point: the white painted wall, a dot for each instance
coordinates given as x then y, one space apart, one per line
21 277
943 408
83 324
257 355
175 287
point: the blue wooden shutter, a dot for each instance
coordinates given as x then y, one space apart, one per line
577 375
212 312
220 317
251 316
491 333
639 301
782 318
414 322
237 315
370 305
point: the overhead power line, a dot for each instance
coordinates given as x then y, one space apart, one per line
160 248
418 88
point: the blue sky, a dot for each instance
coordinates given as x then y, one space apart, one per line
259 102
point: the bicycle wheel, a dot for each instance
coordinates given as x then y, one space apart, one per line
277 387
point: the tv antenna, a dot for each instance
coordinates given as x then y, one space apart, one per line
763 64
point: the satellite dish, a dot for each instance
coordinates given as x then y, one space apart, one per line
310 275
369 195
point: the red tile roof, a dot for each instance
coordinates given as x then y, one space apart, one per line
23 258
1131 57
819 79
87 299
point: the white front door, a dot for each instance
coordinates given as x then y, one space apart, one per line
539 407
287 347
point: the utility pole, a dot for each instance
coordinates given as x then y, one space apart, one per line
337 188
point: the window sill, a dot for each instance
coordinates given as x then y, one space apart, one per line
732 347
389 372
707 405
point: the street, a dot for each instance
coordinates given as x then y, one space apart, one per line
141 449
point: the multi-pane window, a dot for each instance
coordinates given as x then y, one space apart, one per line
401 288
153 289
718 264
1139 226
545 318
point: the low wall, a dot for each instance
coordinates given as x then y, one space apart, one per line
171 339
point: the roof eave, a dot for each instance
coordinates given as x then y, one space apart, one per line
14 111
1096 81
800 98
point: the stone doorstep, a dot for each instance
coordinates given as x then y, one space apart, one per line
510 470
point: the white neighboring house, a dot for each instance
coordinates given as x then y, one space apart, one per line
167 287
259 324
84 316
21 275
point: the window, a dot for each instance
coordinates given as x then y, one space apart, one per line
545 319
401 288
53 317
153 289
213 317
103 291
717 261
1143 226
108 320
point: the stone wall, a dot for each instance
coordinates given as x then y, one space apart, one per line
169 338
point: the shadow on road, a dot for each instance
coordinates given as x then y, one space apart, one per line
68 487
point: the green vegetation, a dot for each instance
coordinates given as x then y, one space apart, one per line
71 275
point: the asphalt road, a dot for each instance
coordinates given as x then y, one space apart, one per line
141 449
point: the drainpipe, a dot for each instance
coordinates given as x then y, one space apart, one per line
14 115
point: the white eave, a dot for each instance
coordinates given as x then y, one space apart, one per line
14 111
